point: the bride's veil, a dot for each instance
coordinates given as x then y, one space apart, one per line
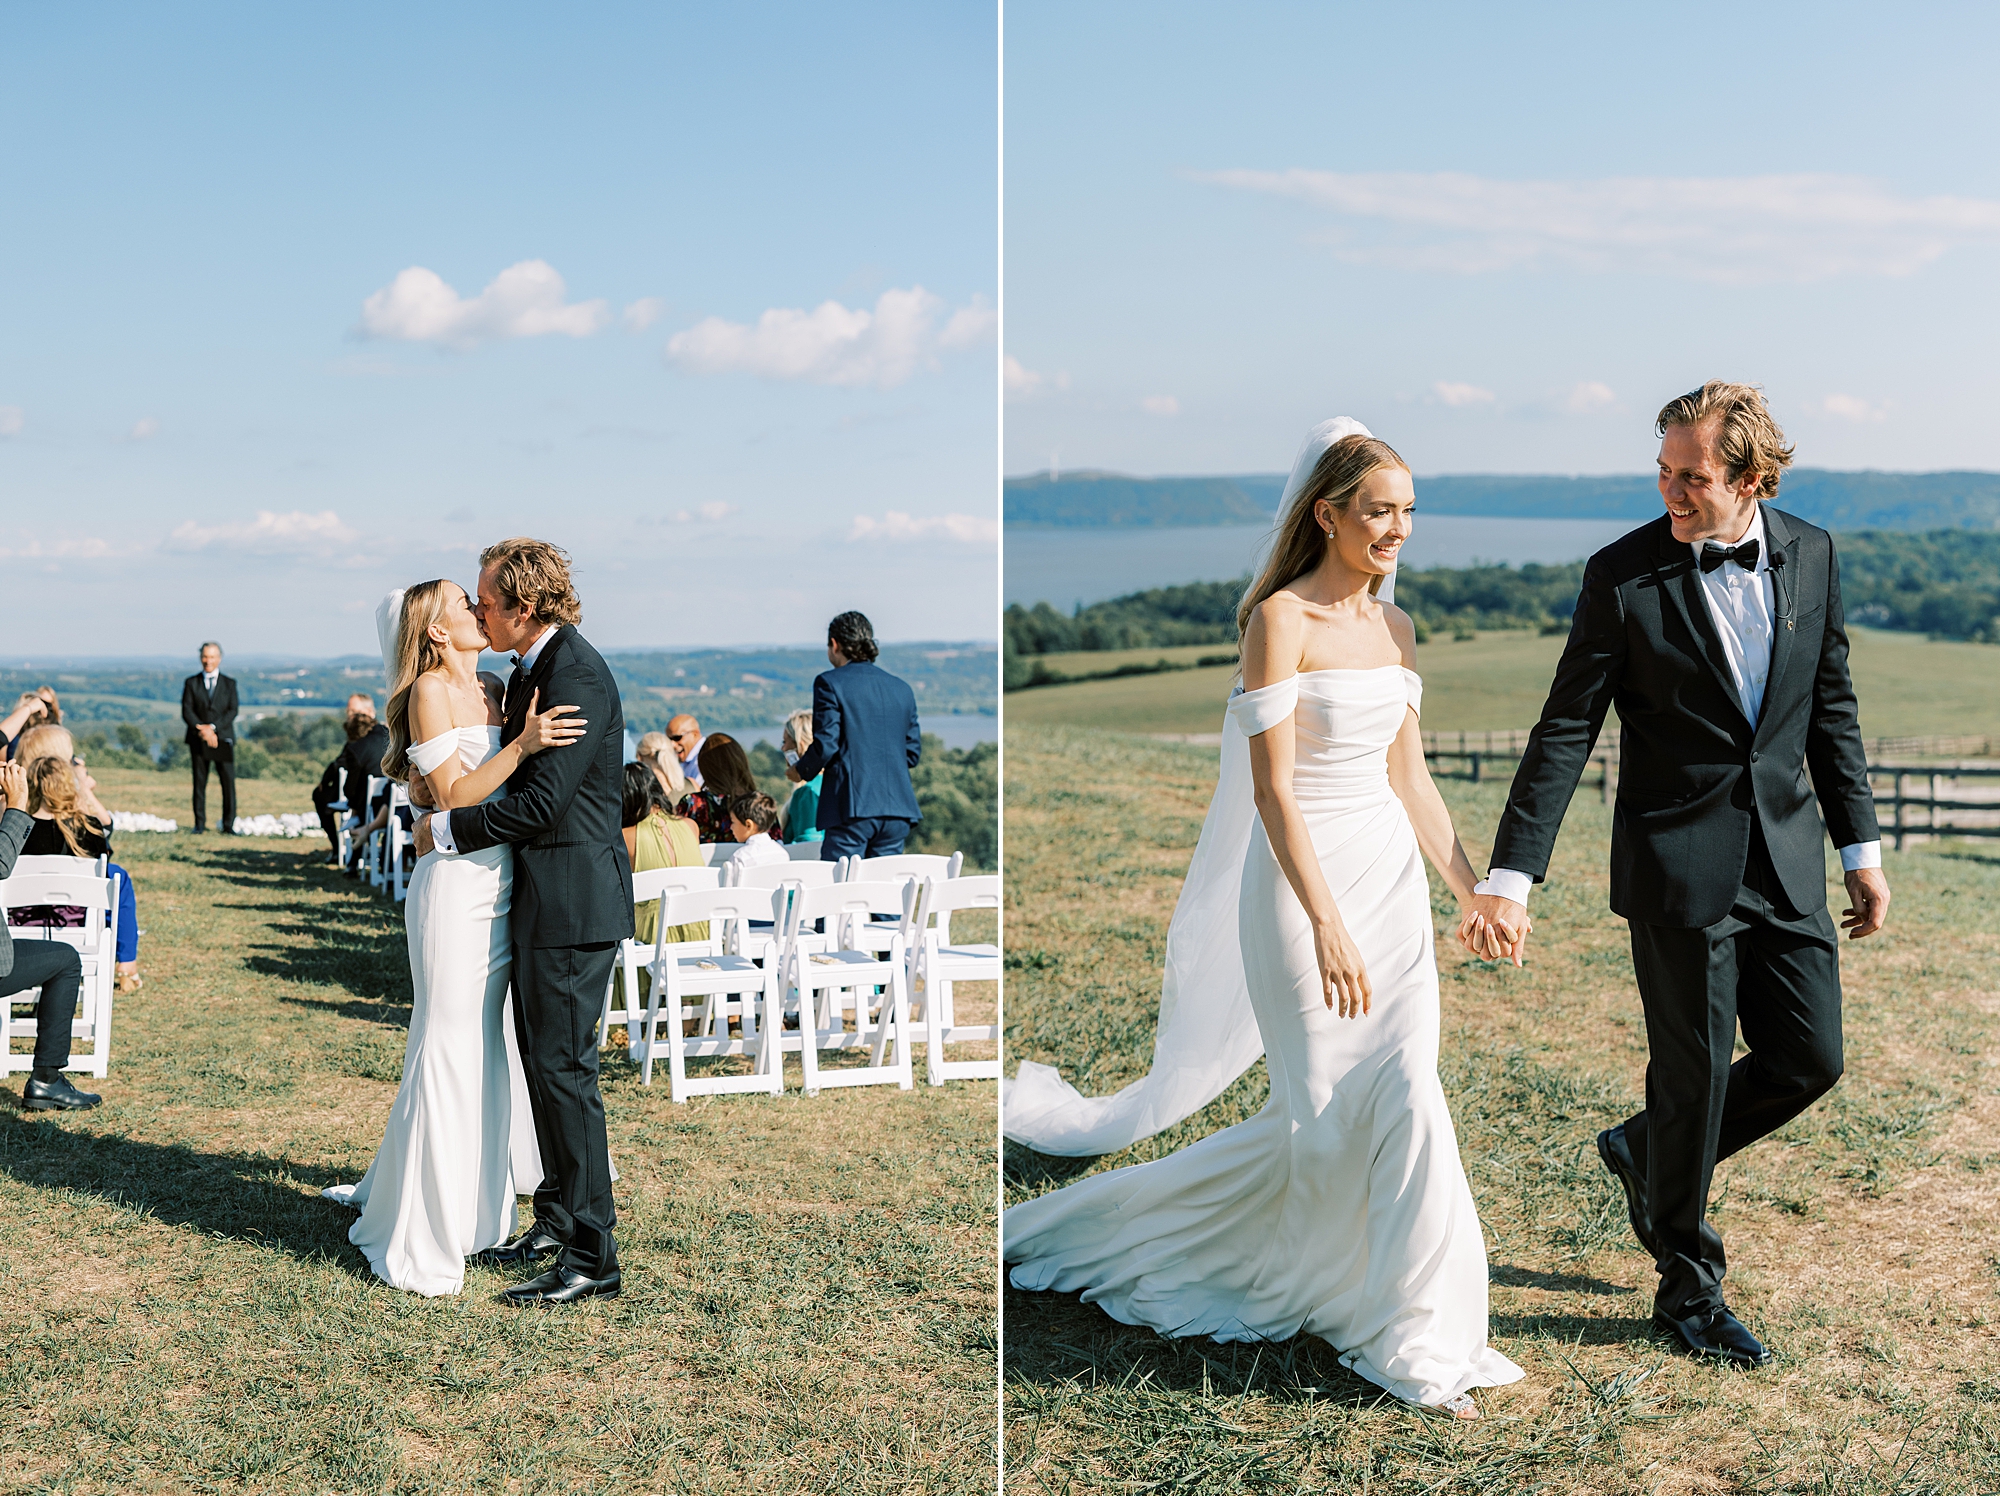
1207 1034
388 628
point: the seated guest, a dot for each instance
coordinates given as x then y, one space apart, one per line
656 750
751 819
34 709
802 809
725 774
63 828
685 734
48 964
51 741
367 741
655 838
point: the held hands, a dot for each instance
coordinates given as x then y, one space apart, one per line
546 729
1494 928
14 785
1341 971
1868 902
207 731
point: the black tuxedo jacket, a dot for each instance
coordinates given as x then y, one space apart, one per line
1693 774
866 740
198 707
572 879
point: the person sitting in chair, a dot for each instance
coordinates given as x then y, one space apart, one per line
367 741
48 964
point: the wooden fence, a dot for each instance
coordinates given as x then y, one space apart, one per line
1917 782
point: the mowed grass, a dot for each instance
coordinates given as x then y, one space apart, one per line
1909 686
809 1294
1864 1239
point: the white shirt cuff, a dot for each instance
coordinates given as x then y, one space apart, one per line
441 833
1860 855
1508 884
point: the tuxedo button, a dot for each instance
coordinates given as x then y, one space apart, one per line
1753 758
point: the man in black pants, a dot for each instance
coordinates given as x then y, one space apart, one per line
572 905
1716 630
208 707
48 964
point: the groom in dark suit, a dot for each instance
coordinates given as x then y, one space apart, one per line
572 904
208 708
1716 631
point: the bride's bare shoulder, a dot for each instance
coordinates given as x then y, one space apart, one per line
1403 629
1271 635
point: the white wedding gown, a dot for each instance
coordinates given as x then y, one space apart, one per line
460 1138
1340 1209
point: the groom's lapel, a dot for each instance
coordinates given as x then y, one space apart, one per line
1785 588
1680 579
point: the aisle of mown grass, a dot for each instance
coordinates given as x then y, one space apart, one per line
808 1298
1864 1240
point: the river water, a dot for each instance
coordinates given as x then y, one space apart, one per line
957 729
1068 567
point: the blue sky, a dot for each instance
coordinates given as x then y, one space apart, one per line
298 303
1502 236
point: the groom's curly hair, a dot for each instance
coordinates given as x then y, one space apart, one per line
533 574
1748 439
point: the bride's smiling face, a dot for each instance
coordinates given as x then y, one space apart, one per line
456 627
1370 533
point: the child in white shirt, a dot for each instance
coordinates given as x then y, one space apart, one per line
751 818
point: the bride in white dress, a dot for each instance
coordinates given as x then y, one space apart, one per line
1341 1209
442 1185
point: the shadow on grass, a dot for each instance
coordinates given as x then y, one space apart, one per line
1572 1329
248 1196
1054 1339
1527 1277
1032 1172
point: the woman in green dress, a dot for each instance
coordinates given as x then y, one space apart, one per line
802 809
655 838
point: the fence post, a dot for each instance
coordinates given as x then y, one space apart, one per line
1901 829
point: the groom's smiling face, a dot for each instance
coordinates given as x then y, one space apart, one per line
1702 503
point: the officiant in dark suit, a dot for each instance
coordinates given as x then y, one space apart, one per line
1716 631
865 741
208 707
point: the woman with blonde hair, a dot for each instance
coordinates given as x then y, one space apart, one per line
801 812
1304 929
443 1182
70 821
656 751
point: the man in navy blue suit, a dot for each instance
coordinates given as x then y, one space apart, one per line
865 739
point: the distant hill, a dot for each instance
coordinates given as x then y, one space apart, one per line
1846 501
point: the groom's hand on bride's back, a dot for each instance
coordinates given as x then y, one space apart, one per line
421 837
1867 902
1494 928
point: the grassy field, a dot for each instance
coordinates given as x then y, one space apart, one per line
809 1292
1864 1240
1909 686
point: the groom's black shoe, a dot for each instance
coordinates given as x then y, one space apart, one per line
564 1285
1720 1336
56 1095
530 1246
1617 1156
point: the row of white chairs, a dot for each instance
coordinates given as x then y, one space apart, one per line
864 940
65 882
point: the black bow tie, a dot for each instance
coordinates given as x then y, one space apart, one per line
1744 555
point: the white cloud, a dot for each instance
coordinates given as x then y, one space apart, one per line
833 344
972 324
644 312
1852 408
1452 393
12 419
1732 229
294 533
1591 396
91 548
522 301
143 429
711 512
1160 405
968 529
1021 382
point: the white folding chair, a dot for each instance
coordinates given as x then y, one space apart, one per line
717 853
698 981
761 945
935 964
371 850
830 981
647 888
903 867
338 805
96 942
399 800
803 851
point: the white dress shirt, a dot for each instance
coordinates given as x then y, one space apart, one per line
208 680
441 819
1740 606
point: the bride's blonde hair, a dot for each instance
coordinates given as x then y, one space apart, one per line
416 652
1301 543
